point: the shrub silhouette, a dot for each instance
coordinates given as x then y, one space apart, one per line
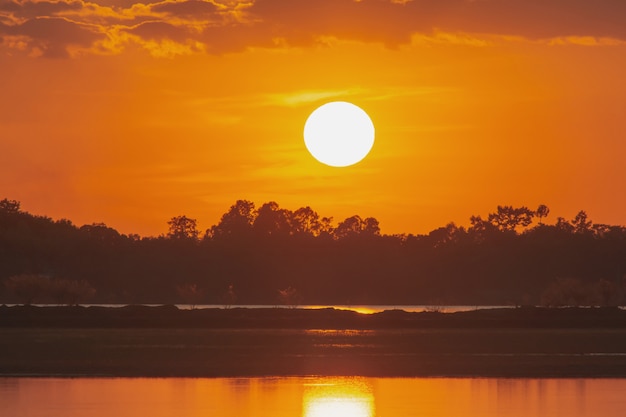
31 288
27 288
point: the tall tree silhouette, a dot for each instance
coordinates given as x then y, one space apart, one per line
563 225
259 251
271 220
541 212
355 225
445 235
237 221
182 227
580 223
100 232
9 206
305 220
481 230
508 218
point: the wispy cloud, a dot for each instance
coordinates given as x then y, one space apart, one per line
277 99
311 96
439 38
396 92
586 41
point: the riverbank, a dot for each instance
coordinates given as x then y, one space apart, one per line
166 342
169 316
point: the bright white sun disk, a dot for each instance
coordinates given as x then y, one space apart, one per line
339 134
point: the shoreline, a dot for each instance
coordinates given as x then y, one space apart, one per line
167 342
170 316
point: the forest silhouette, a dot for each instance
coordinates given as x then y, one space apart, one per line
270 255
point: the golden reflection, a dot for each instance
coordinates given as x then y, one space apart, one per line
358 309
340 397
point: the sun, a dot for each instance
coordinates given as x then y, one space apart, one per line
339 134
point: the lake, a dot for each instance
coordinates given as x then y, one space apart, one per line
311 397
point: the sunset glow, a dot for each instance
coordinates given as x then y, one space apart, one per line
341 397
129 113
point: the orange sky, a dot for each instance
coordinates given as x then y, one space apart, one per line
130 113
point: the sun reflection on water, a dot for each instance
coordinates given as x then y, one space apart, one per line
340 397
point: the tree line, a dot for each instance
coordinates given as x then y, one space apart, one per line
271 255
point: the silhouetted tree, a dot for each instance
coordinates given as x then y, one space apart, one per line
349 227
371 226
28 288
326 226
481 230
542 211
508 218
608 293
9 206
581 224
289 297
445 235
563 225
260 251
190 294
355 226
100 232
70 292
182 227
306 221
237 221
58 290
566 292
229 297
271 220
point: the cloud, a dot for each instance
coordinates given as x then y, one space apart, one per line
587 41
31 9
543 19
191 9
301 22
439 38
53 37
394 22
156 30
222 26
305 97
164 40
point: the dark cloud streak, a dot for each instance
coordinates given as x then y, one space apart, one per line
266 23
160 31
392 23
31 9
191 9
542 19
52 35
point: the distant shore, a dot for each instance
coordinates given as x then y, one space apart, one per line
165 316
166 341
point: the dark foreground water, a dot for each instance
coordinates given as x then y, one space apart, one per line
311 397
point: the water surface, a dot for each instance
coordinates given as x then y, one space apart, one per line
311 397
